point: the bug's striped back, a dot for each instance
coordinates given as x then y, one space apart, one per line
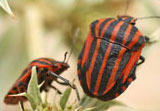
110 45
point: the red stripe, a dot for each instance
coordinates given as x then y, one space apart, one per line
123 88
130 80
79 71
116 95
88 44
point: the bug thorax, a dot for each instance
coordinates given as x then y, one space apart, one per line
60 66
127 19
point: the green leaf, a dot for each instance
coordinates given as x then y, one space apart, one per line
65 97
32 101
33 92
5 6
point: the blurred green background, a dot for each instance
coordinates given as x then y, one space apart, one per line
45 28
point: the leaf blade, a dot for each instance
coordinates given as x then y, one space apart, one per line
65 97
33 92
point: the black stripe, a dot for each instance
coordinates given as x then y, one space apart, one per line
123 63
139 43
49 60
93 26
79 76
121 33
109 67
81 53
79 64
131 35
28 78
109 30
41 62
103 24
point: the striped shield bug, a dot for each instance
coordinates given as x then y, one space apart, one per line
48 70
111 52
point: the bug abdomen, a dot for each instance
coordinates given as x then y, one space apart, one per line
16 89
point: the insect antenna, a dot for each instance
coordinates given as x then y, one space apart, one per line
65 56
73 43
127 6
149 17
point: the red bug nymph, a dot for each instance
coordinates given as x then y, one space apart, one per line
108 60
47 69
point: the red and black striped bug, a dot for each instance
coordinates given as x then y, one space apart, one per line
47 69
112 50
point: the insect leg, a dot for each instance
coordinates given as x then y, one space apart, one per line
66 82
77 92
62 83
60 77
22 105
74 87
142 60
59 92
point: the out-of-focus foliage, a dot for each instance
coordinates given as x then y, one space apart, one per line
5 6
45 28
